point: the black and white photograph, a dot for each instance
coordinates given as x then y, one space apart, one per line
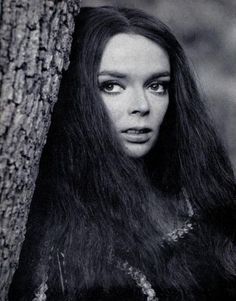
117 150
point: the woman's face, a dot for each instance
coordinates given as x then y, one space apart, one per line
133 80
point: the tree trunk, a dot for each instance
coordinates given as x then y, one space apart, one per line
35 40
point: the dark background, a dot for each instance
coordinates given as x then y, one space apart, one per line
207 31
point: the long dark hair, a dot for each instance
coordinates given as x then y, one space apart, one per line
96 199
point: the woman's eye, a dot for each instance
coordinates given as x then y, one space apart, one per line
159 88
111 87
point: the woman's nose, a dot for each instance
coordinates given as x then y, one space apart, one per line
139 103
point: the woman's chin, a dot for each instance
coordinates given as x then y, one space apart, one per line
136 150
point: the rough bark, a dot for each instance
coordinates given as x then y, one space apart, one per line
35 39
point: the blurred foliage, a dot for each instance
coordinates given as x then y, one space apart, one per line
207 31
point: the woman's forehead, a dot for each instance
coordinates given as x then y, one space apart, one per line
132 54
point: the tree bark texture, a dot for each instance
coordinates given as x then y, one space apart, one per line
35 40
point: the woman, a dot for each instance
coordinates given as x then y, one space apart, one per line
135 199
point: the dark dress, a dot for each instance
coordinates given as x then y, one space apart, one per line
189 267
211 281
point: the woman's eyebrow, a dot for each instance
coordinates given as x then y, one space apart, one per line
159 74
112 73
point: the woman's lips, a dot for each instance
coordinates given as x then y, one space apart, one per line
137 135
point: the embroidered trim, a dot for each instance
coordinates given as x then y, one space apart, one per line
175 235
140 279
186 227
40 293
